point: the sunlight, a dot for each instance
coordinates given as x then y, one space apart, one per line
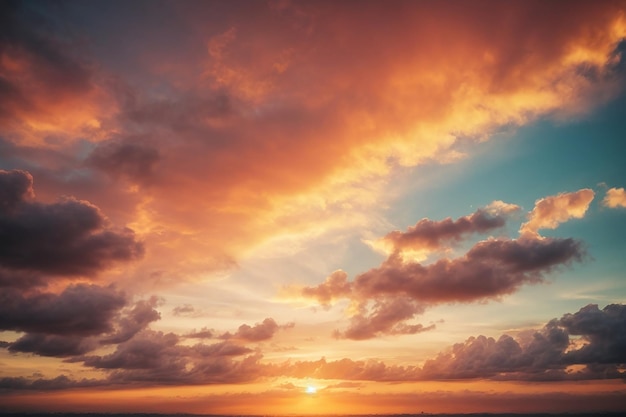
311 389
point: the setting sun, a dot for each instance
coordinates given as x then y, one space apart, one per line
311 390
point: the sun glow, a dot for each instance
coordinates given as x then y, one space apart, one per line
311 389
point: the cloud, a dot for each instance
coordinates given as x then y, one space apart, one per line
490 269
257 333
615 197
604 332
80 310
80 319
346 369
71 237
543 354
428 235
129 159
48 89
183 310
335 286
15 186
54 345
134 320
203 333
157 358
191 146
385 297
551 211
387 316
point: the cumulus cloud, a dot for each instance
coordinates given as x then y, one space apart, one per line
70 237
615 197
429 235
543 354
257 333
603 330
551 211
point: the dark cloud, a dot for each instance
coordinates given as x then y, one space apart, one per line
149 350
257 333
603 330
490 269
15 186
59 383
71 237
21 279
75 322
543 354
54 345
131 159
432 235
156 358
134 320
80 310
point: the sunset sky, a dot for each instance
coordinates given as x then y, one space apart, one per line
296 207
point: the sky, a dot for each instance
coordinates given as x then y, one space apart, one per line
305 207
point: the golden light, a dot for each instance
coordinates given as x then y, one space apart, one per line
311 389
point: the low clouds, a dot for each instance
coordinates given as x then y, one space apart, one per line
551 211
585 345
399 289
544 354
615 197
80 310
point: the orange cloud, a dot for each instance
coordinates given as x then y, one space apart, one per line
551 211
290 118
615 197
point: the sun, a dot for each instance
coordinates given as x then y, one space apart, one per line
311 389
